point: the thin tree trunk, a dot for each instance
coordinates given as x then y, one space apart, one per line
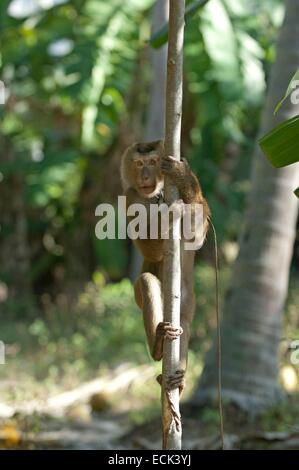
155 124
155 121
252 319
14 252
172 429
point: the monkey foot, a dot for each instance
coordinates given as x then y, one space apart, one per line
166 330
159 379
174 381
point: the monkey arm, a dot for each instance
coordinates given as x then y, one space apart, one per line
188 185
183 178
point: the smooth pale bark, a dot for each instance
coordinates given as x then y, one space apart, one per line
155 124
172 431
155 121
252 317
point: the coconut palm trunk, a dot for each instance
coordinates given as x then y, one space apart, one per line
252 316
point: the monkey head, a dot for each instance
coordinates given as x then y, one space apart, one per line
140 168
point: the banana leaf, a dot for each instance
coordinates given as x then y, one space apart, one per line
281 145
292 86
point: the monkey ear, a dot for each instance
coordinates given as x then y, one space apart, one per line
185 161
134 147
125 167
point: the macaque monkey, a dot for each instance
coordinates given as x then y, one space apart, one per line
143 168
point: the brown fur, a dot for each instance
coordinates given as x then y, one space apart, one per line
148 287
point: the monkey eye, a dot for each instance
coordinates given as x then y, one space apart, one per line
153 162
139 163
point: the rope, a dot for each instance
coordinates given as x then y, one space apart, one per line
219 350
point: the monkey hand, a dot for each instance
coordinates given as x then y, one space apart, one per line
172 167
167 331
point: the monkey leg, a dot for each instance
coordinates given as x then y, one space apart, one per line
177 380
149 298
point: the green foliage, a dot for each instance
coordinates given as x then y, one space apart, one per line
67 94
289 91
281 418
226 87
82 73
73 342
77 75
103 328
160 37
281 144
115 23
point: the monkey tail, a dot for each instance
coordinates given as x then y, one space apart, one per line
219 349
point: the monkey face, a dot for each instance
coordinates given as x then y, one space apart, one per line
147 174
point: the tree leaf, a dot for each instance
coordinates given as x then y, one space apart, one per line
100 70
292 86
215 25
161 36
297 192
281 145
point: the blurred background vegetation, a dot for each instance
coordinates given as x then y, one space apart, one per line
77 76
